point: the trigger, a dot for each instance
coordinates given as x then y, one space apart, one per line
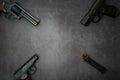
9 16
98 17
32 70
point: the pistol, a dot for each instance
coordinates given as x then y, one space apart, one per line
14 11
97 10
25 71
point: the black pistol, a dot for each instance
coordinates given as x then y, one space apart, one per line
93 63
97 10
25 72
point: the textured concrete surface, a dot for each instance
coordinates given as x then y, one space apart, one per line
59 40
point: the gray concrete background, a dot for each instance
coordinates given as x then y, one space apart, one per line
59 40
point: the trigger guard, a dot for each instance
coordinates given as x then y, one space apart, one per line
9 16
32 70
97 18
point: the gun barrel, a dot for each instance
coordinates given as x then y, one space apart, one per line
30 18
25 68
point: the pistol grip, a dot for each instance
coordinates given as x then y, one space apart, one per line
111 11
2 7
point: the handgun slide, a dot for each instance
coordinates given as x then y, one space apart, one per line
26 67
